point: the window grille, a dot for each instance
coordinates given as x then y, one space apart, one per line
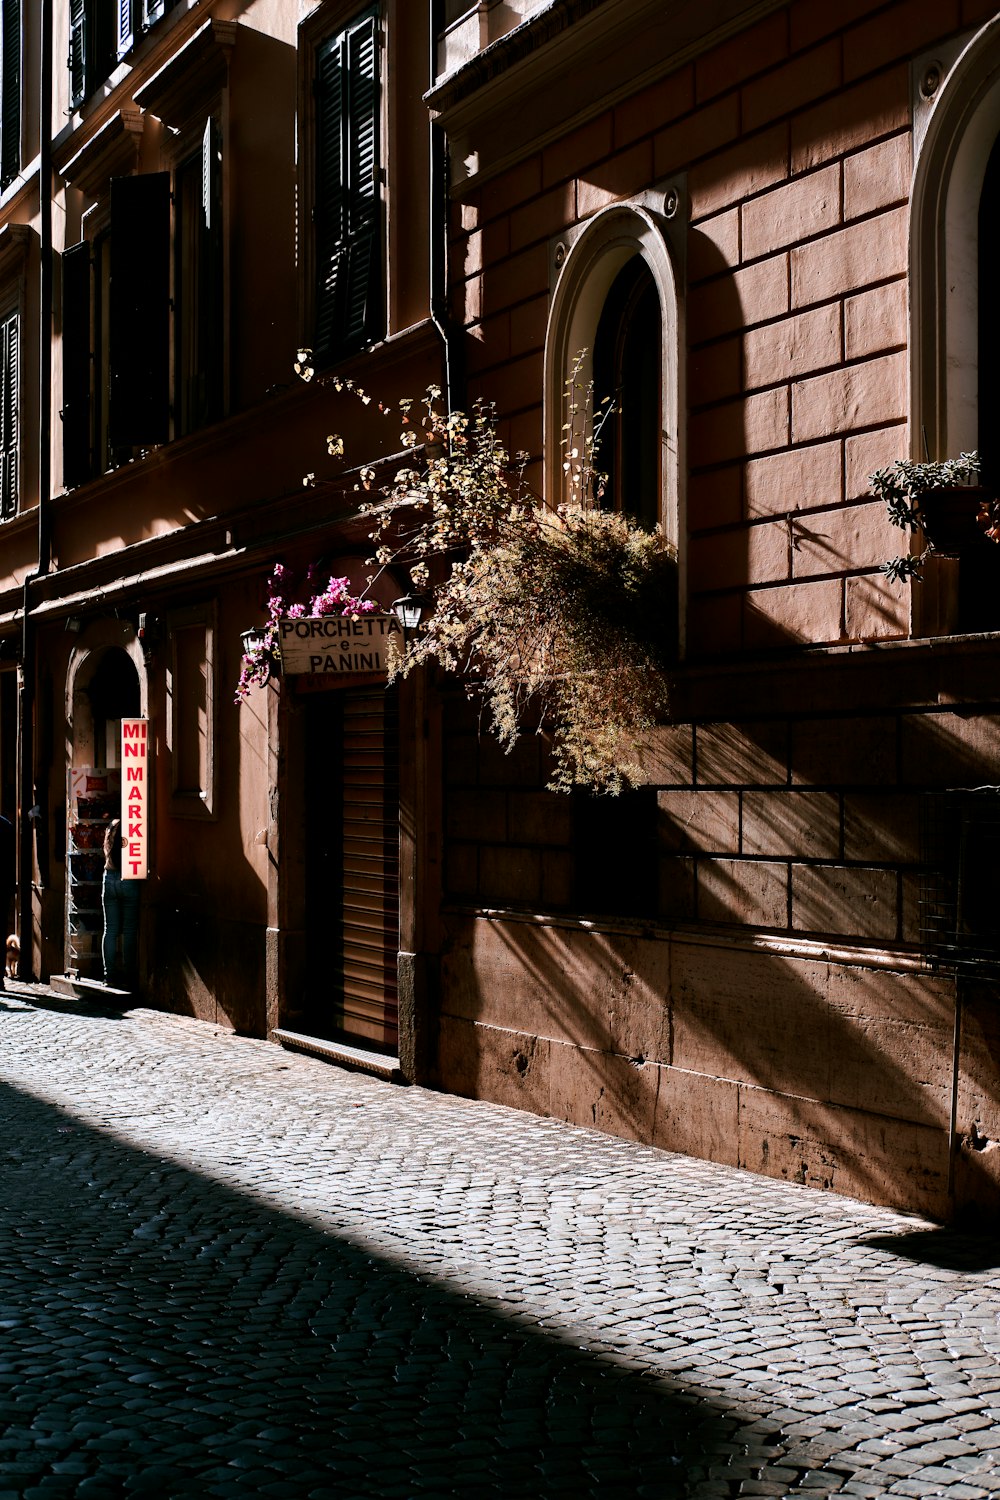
959 909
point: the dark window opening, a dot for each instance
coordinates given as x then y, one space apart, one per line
979 568
615 853
627 395
100 35
959 914
116 322
347 208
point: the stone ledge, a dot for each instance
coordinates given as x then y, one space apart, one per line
377 1063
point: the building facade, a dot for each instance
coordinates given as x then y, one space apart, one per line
229 183
748 959
762 225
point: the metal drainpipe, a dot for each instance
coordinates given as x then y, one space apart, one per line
439 228
26 789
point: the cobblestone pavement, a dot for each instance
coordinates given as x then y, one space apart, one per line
233 1270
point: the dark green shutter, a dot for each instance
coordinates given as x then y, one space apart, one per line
77 51
77 466
347 214
139 313
10 91
9 379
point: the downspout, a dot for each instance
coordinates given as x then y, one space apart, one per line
439 231
26 789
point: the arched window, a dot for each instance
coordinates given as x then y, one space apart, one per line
989 323
627 379
955 306
615 324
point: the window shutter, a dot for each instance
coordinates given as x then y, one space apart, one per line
362 131
330 185
348 305
139 313
124 28
77 51
152 10
76 365
10 91
9 379
211 287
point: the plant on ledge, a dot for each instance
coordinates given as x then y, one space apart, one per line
941 501
262 652
563 619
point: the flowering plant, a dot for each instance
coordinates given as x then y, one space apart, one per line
335 598
557 618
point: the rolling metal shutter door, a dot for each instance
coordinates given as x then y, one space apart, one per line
370 865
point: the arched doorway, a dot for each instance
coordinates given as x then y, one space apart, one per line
105 684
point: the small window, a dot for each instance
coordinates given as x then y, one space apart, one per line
116 331
192 698
347 202
10 376
627 363
10 90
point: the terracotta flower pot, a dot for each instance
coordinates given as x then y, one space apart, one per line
950 518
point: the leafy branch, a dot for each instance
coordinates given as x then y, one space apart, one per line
561 619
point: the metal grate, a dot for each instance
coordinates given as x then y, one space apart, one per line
959 903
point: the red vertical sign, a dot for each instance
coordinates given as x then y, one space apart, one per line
135 786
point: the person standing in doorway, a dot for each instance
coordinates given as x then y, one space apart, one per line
120 902
8 875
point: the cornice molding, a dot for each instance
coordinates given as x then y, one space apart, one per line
567 64
15 245
200 70
112 152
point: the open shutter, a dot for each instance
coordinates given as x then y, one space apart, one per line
77 465
124 28
9 425
348 302
211 285
139 313
330 184
10 91
153 10
362 311
77 51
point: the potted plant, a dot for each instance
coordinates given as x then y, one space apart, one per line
942 502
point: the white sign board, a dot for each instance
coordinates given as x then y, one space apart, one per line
135 789
339 644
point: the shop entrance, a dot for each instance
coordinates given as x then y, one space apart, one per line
105 691
351 839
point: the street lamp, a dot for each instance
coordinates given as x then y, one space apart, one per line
409 610
253 641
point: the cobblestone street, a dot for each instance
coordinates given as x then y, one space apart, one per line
229 1269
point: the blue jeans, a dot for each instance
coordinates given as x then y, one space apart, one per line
120 900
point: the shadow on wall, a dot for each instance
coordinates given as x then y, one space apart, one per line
838 1077
216 1340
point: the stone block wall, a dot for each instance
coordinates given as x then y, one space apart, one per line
755 987
829 1073
795 141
